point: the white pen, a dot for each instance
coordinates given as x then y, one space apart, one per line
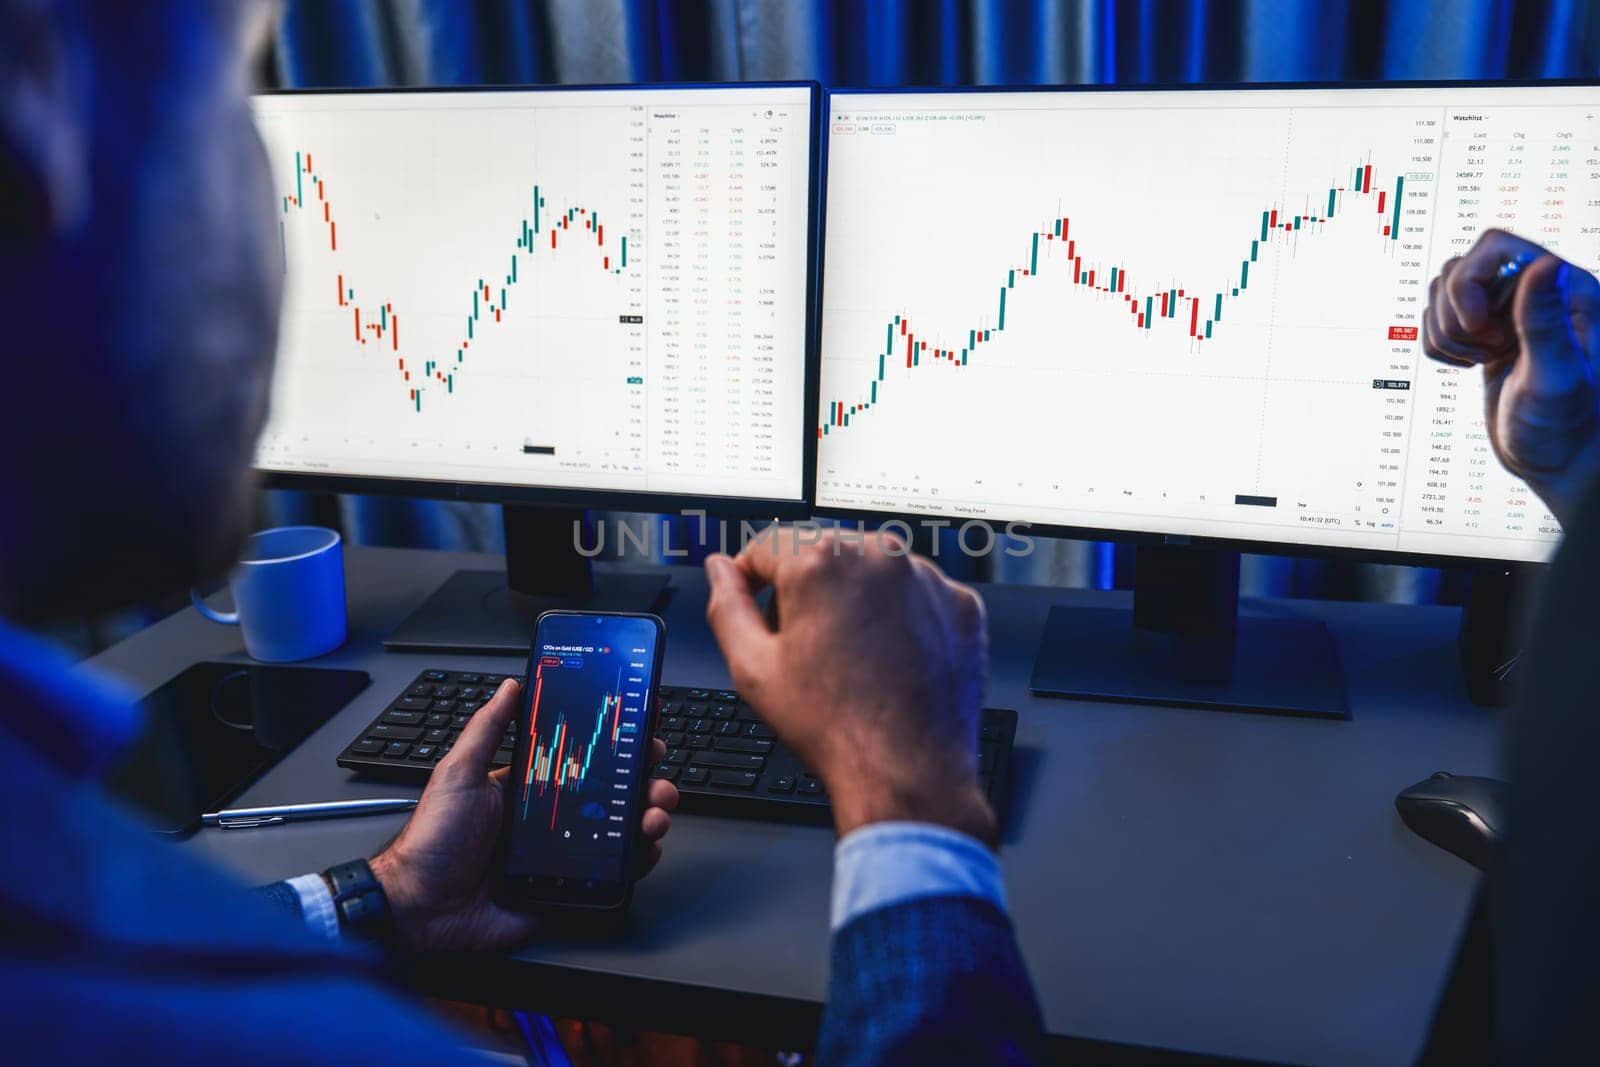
240 818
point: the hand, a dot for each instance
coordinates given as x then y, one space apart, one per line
874 674
436 873
1538 357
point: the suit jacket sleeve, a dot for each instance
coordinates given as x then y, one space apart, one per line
935 980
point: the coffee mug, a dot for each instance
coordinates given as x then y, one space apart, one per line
288 594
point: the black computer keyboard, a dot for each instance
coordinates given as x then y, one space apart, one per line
724 759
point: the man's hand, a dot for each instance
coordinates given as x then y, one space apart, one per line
1538 361
436 873
874 674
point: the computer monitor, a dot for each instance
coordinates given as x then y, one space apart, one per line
1184 317
569 297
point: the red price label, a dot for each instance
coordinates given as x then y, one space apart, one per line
1402 333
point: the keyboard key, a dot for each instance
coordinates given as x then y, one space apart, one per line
667 692
444 750
696 709
424 752
394 733
694 776
730 729
500 759
672 738
700 726
760 729
697 741
676 755
467 692
723 711
742 744
434 737
444 705
472 679
421 691
467 707
699 694
411 704
809 786
735 779
458 721
784 783
435 676
438 718
664 770
731 760
396 749
403 718
508 742
725 696
367 747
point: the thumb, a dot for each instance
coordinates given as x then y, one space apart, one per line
736 622
481 736
1542 313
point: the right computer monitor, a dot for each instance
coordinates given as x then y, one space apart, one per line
1186 312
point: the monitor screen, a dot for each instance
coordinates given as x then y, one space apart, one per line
600 290
1183 312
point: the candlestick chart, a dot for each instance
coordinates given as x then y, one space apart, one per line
1193 312
521 288
560 755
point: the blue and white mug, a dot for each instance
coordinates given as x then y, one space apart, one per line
288 594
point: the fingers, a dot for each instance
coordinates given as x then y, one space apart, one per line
649 856
663 794
741 632
1442 333
483 731
1468 287
1541 312
655 824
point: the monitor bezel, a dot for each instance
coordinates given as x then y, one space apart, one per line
617 499
1148 537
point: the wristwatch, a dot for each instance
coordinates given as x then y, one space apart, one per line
360 902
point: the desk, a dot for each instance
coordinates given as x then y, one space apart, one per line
1213 883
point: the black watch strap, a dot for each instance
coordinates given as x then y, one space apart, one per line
360 902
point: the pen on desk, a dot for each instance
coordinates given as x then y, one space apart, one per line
271 815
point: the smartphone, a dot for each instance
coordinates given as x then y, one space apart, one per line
581 763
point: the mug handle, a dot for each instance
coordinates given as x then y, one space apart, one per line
226 618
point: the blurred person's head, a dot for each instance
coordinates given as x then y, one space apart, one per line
139 290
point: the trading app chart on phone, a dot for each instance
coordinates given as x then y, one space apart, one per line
1192 312
596 289
587 718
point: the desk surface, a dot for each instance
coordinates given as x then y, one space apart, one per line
1224 884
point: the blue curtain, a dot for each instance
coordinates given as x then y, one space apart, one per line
925 42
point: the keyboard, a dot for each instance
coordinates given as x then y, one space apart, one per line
724 759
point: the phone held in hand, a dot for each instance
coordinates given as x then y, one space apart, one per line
579 771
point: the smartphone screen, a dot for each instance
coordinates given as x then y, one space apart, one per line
578 770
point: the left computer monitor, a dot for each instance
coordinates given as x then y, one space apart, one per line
595 297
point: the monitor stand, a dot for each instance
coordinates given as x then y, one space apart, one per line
1185 643
492 612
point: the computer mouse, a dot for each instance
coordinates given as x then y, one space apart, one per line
1460 814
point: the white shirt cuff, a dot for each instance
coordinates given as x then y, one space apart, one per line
890 863
316 904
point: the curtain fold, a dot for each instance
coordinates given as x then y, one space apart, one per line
926 42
